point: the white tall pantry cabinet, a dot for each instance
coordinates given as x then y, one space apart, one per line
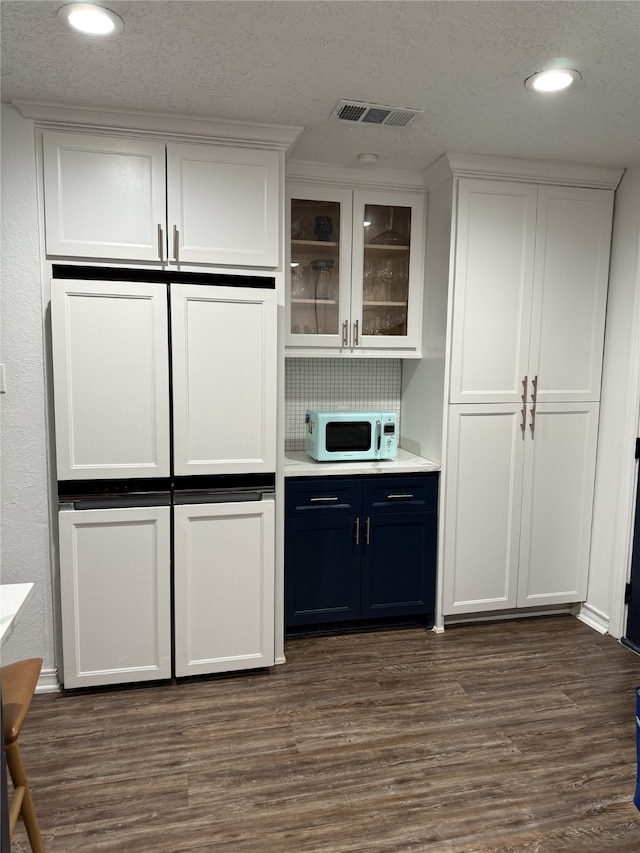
165 365
527 283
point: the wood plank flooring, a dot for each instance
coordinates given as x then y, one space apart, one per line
514 737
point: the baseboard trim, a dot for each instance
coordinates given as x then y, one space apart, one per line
594 618
504 615
48 681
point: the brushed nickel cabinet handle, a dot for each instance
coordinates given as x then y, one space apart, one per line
523 425
534 400
524 389
312 500
176 241
345 333
355 333
161 242
367 530
357 531
401 497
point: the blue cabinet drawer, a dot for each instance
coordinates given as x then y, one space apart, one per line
400 494
323 496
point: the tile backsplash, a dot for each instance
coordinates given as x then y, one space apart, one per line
334 383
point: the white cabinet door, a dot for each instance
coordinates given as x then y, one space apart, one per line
483 495
224 379
492 290
115 594
224 587
557 505
111 379
319 286
223 205
104 197
387 309
570 292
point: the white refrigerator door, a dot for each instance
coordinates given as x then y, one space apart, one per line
224 586
111 379
115 595
224 379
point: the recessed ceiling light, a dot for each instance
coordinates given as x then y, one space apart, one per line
552 80
90 19
368 159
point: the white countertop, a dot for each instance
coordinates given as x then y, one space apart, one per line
298 464
13 597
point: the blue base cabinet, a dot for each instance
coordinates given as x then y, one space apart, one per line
360 550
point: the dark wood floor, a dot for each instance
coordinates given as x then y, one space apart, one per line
494 738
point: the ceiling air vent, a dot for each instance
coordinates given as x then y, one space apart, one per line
359 112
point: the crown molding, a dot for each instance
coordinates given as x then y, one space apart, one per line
370 177
241 133
510 169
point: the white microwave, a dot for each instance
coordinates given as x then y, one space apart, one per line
338 436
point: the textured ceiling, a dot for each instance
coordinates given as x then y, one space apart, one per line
463 63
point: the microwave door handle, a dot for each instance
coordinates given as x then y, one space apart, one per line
378 435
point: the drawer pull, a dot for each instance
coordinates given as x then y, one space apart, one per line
357 531
368 531
314 500
399 497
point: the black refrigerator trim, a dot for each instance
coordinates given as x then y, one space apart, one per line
91 273
69 490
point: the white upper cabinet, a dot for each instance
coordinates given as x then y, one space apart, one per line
111 369
104 197
571 273
492 290
530 289
223 205
356 271
224 361
121 199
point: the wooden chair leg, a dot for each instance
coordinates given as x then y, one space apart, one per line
27 810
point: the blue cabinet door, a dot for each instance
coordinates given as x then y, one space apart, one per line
322 578
398 566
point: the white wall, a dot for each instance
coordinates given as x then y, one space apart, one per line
24 489
615 472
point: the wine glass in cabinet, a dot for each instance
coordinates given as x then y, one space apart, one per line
320 225
385 261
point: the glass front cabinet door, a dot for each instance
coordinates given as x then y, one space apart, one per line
319 293
357 261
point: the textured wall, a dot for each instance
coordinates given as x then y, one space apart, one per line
619 409
25 527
